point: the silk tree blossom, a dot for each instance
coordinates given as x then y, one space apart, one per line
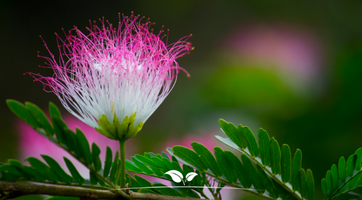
115 77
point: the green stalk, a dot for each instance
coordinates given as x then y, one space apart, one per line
121 173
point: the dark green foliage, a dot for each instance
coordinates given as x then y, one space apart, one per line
73 142
344 178
78 146
283 169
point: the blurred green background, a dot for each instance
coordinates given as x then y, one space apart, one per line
292 68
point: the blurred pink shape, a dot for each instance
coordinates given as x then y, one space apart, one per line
33 144
289 49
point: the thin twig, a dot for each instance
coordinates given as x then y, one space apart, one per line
16 189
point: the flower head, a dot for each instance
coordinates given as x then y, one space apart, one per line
115 77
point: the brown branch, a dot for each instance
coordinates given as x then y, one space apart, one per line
15 189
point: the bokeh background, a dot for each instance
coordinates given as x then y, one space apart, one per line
293 68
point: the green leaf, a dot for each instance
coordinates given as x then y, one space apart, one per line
310 185
40 117
59 128
131 167
42 169
57 169
35 175
329 181
264 146
108 162
19 109
141 166
275 156
297 165
250 140
112 176
286 162
267 182
167 163
224 165
207 158
93 178
303 183
342 169
95 155
145 160
53 110
239 169
189 156
231 131
14 162
252 173
156 171
359 159
77 177
351 162
324 187
334 173
165 156
11 170
228 142
143 182
84 146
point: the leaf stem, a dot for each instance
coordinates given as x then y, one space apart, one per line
121 173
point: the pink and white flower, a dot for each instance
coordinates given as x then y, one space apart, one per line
115 77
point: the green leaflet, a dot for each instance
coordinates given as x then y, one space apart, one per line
146 160
107 162
267 182
112 176
59 128
77 177
253 174
43 169
297 165
189 156
250 140
224 165
239 169
21 111
310 185
344 178
283 170
264 146
95 156
207 158
131 167
141 166
275 156
53 110
84 145
231 131
57 169
286 163
303 183
40 117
